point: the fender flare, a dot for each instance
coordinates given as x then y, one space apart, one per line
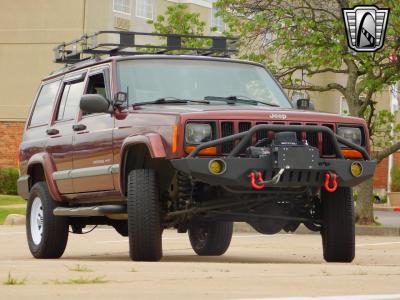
152 141
44 159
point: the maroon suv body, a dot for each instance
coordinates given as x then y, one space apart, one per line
109 142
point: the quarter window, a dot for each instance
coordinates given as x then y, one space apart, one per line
69 103
144 8
122 6
44 104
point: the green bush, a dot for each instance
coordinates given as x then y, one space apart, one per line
395 172
8 181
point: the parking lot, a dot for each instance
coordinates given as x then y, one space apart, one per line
255 266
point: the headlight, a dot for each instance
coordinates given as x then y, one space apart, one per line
197 133
353 134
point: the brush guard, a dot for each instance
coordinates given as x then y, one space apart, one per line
287 166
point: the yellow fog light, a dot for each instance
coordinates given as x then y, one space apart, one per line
356 169
217 166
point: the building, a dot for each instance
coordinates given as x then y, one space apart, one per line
30 29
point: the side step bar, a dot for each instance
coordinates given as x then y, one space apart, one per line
90 211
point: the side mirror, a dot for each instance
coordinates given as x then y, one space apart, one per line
94 103
305 104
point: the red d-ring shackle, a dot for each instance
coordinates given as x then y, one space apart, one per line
253 180
328 179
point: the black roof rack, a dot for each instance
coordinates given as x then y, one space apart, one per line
113 43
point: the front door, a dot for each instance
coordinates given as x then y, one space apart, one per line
93 154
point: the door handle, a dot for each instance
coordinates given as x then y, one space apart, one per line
52 131
78 127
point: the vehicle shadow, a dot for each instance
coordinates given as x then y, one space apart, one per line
230 259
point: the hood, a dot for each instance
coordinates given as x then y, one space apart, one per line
245 112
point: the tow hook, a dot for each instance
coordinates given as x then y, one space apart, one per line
259 183
329 176
254 184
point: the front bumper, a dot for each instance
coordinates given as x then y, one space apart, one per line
299 165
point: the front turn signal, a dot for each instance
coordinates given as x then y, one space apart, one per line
174 146
350 153
207 151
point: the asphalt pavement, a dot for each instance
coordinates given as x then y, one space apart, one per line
97 266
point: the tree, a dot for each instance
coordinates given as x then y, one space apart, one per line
178 20
300 40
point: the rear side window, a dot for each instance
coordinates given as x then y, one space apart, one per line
42 112
69 103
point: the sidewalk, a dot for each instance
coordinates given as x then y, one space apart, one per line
13 206
360 230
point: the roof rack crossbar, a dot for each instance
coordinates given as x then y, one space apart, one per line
125 43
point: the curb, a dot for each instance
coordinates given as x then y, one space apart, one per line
387 209
360 230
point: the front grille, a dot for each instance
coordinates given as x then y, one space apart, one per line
318 140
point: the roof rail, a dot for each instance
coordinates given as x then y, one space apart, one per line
113 43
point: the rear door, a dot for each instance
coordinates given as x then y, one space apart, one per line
60 133
93 154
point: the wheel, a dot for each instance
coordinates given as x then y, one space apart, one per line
212 238
338 229
144 216
121 227
47 234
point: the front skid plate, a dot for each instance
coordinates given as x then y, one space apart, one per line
300 172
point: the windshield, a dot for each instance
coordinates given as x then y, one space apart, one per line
151 79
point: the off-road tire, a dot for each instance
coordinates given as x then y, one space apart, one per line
211 238
144 216
338 229
54 232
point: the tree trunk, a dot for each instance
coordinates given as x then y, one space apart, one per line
364 205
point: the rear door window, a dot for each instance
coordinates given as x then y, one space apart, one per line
41 114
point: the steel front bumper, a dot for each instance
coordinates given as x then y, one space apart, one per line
298 165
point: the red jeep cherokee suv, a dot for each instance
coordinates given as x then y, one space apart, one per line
192 142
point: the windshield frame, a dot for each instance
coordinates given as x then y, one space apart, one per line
121 59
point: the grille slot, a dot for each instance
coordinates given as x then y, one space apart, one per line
312 137
226 130
262 134
298 134
327 146
245 126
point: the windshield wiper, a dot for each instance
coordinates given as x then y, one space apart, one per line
170 100
238 99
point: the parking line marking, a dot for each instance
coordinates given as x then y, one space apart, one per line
12 233
350 297
378 244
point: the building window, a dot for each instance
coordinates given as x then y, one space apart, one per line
344 107
216 21
144 9
122 6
